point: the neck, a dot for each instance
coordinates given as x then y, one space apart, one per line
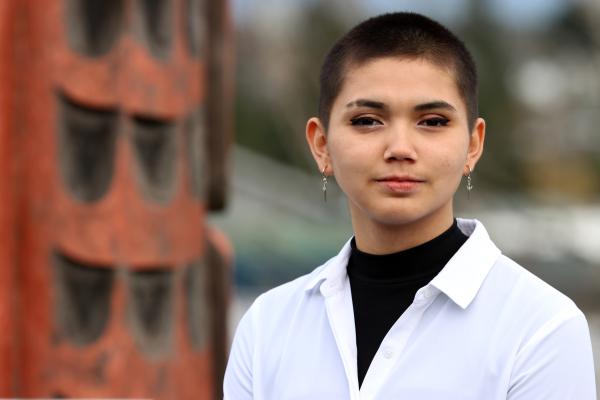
379 238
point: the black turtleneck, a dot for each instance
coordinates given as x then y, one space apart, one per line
383 286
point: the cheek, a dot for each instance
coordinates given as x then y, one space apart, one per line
450 166
452 155
347 158
350 166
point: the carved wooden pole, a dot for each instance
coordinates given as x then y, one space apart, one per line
122 286
7 205
219 109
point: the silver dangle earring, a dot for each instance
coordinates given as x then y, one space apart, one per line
469 183
324 180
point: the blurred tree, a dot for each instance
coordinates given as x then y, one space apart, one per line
565 161
499 168
273 123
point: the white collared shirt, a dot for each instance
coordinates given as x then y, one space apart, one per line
483 329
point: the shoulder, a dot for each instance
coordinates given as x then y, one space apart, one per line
508 296
523 288
273 307
281 303
260 337
528 311
504 284
551 352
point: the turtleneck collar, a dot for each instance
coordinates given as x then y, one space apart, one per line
423 260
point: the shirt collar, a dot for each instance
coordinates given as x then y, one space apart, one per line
460 279
333 271
465 272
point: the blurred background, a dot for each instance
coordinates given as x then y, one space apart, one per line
537 187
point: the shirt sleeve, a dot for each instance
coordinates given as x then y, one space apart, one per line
237 384
556 363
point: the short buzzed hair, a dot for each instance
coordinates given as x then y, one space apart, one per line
402 34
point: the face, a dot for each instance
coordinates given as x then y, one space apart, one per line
398 143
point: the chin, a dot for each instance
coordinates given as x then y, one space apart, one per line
398 221
407 215
400 212
398 217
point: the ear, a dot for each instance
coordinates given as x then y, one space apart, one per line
476 140
317 141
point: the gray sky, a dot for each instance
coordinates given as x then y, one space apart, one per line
515 13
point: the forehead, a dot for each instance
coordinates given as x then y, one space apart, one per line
399 79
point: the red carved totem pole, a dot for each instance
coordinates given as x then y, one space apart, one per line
113 139
7 210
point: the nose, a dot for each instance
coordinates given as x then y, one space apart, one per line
399 145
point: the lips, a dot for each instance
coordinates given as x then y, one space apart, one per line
400 184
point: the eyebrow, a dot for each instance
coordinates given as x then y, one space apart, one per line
433 105
367 103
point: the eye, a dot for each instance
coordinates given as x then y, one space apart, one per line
364 121
435 122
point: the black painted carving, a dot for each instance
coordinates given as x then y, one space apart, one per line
87 140
154 144
155 25
197 304
82 299
93 26
151 308
195 26
196 149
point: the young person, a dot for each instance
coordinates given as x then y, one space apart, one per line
417 305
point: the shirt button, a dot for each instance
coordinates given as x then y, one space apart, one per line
388 353
428 293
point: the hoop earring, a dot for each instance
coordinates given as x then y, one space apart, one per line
324 181
469 183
